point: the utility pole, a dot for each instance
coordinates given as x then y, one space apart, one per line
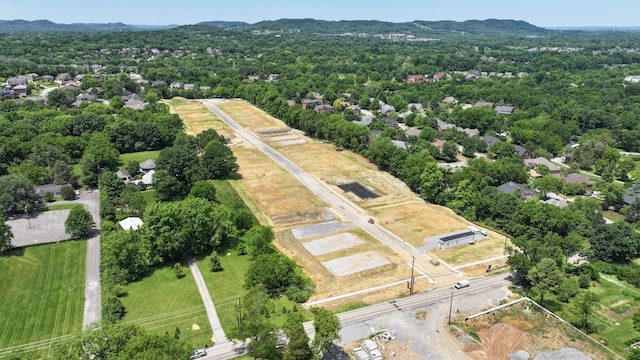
239 313
26 213
450 306
413 263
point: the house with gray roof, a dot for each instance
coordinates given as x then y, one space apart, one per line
516 188
504 110
401 144
534 163
147 165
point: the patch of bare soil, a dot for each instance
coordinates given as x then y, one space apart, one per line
498 342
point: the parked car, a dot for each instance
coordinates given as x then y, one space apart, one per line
198 354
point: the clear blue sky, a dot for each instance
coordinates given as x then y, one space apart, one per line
545 13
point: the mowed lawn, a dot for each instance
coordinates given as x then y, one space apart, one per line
42 293
161 303
140 157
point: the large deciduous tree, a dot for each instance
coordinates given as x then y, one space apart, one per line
616 243
327 326
218 161
78 223
17 194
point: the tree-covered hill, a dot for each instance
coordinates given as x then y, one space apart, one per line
48 26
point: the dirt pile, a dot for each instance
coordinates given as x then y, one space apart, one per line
498 342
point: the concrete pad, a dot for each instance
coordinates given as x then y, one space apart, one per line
43 228
355 263
332 243
321 229
284 137
291 142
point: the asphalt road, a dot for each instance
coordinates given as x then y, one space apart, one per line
92 292
358 320
338 203
214 321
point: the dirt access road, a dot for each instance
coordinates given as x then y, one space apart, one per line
338 203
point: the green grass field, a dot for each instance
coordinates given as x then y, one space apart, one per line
42 296
160 302
138 156
149 196
55 207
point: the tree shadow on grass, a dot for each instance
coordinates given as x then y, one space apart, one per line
336 353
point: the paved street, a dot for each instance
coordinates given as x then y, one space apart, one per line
218 333
92 291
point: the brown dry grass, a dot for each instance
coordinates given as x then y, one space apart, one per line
328 285
284 203
249 116
487 248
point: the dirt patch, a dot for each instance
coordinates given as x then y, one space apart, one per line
498 342
529 329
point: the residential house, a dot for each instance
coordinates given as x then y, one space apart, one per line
365 120
490 140
415 79
504 110
355 108
88 98
8 94
523 152
515 188
439 75
416 106
412 131
131 223
401 144
31 77
176 85
390 122
52 188
147 165
123 175
534 163
317 96
147 179
135 104
12 82
386 109
310 102
555 200
324 108
574 178
273 77
189 86
450 100
47 78
439 144
480 104
158 83
21 90
63 78
471 132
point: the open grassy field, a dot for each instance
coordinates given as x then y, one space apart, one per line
55 207
42 295
160 302
225 287
140 157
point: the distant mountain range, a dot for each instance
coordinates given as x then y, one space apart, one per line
417 28
313 26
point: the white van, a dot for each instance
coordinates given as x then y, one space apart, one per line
461 284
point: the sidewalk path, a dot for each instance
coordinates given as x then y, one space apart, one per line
218 333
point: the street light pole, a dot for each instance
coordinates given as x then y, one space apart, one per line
413 263
450 306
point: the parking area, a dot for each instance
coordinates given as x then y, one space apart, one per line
39 228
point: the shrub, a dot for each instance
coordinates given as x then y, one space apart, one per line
214 262
177 269
67 192
112 309
584 281
49 197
